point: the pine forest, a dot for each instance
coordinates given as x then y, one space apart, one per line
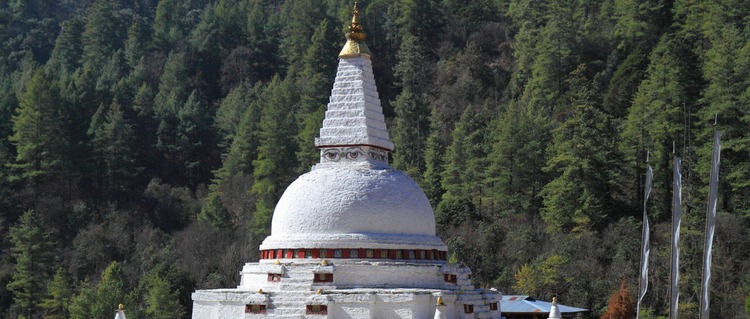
144 143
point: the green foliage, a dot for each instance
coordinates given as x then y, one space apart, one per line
466 157
102 34
516 160
34 257
584 162
274 166
38 134
58 297
412 124
656 120
161 300
100 299
114 115
214 213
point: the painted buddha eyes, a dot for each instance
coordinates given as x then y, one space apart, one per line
353 154
331 155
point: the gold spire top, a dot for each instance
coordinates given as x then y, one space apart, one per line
355 46
121 307
554 300
440 301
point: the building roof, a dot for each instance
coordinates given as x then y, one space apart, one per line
526 304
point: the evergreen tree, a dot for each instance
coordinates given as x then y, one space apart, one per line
214 213
583 159
315 79
273 168
515 176
655 121
102 34
114 141
229 115
98 301
162 300
33 253
137 42
466 159
193 140
434 156
727 101
58 297
68 51
38 132
168 102
411 106
170 24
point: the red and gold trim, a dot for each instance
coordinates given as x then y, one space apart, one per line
354 253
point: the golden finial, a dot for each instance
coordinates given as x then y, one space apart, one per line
277 262
440 301
355 46
554 300
319 292
324 262
120 307
260 290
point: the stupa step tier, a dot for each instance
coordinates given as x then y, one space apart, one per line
354 115
355 253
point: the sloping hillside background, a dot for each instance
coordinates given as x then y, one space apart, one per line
144 143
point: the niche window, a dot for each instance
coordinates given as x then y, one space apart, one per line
337 253
274 277
353 253
370 253
468 308
258 309
493 306
317 309
321 277
451 278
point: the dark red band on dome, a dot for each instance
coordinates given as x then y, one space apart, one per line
354 253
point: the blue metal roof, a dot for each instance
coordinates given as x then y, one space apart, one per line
525 304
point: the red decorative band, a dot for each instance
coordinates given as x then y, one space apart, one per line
354 253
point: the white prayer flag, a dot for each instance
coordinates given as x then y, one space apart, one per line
710 227
676 221
643 280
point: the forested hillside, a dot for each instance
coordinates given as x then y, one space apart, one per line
144 143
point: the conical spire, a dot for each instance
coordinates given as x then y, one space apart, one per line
355 45
354 127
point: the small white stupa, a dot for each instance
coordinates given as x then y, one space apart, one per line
353 238
120 312
554 312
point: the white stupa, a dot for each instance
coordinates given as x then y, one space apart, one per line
353 238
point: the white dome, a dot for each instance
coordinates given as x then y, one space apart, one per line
353 205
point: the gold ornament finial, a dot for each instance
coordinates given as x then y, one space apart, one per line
277 262
260 290
440 301
554 300
121 307
324 262
355 46
319 292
